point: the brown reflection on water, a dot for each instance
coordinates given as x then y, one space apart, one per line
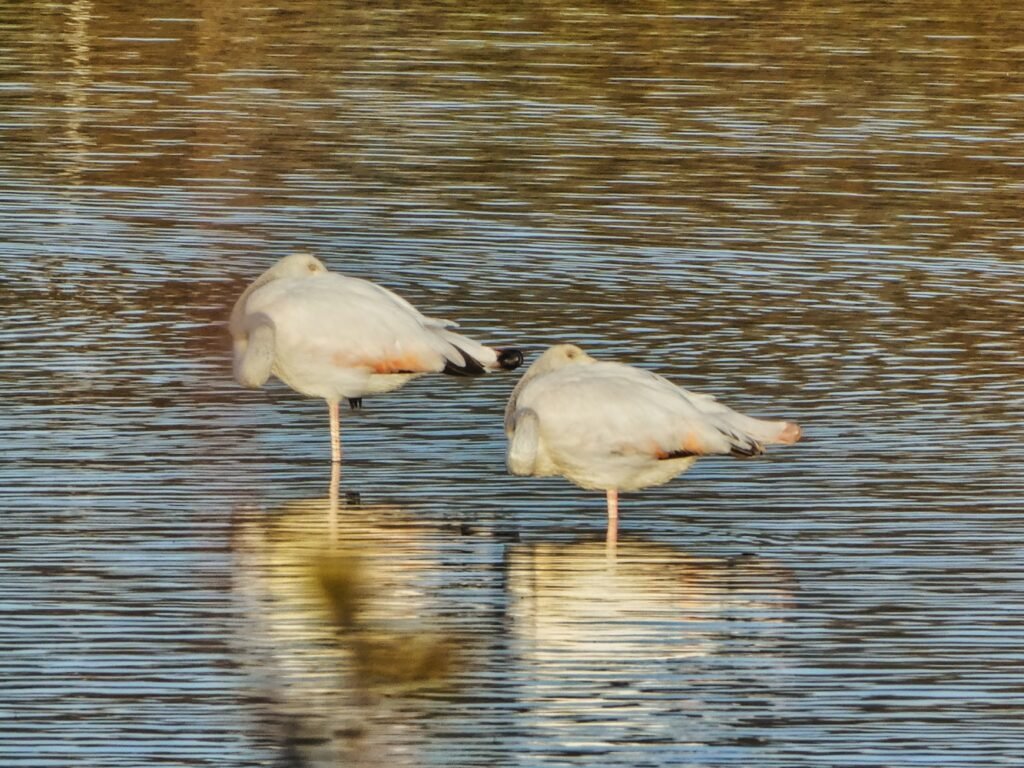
807 117
858 143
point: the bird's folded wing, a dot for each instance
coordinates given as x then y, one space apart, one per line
351 323
618 409
373 291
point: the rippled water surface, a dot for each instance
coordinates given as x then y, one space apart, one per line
810 210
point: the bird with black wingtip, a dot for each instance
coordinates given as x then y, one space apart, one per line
338 337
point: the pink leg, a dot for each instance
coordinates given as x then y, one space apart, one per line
613 517
332 408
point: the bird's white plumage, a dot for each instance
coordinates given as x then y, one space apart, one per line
331 341
610 426
332 336
335 336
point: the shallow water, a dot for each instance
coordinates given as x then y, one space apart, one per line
809 211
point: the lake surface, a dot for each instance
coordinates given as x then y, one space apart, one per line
810 211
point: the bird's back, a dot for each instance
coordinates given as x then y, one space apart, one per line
339 336
608 424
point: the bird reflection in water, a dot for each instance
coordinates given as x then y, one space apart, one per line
337 628
616 636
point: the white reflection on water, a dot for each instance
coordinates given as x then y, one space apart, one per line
611 636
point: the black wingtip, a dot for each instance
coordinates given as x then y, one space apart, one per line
746 450
509 359
469 367
676 455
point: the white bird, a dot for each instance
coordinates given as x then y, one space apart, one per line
332 336
609 426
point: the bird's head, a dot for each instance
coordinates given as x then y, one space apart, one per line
296 265
560 356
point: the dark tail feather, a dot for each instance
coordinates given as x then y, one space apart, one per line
746 448
742 450
508 360
469 367
680 454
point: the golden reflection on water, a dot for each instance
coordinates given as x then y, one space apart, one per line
597 624
342 626
585 598
856 143
338 627
680 118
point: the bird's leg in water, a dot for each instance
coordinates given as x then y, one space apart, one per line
332 408
613 517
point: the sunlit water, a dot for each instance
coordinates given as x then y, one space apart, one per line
812 213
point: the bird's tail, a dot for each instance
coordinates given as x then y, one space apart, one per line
747 436
768 431
466 357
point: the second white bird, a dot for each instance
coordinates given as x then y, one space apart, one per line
609 426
